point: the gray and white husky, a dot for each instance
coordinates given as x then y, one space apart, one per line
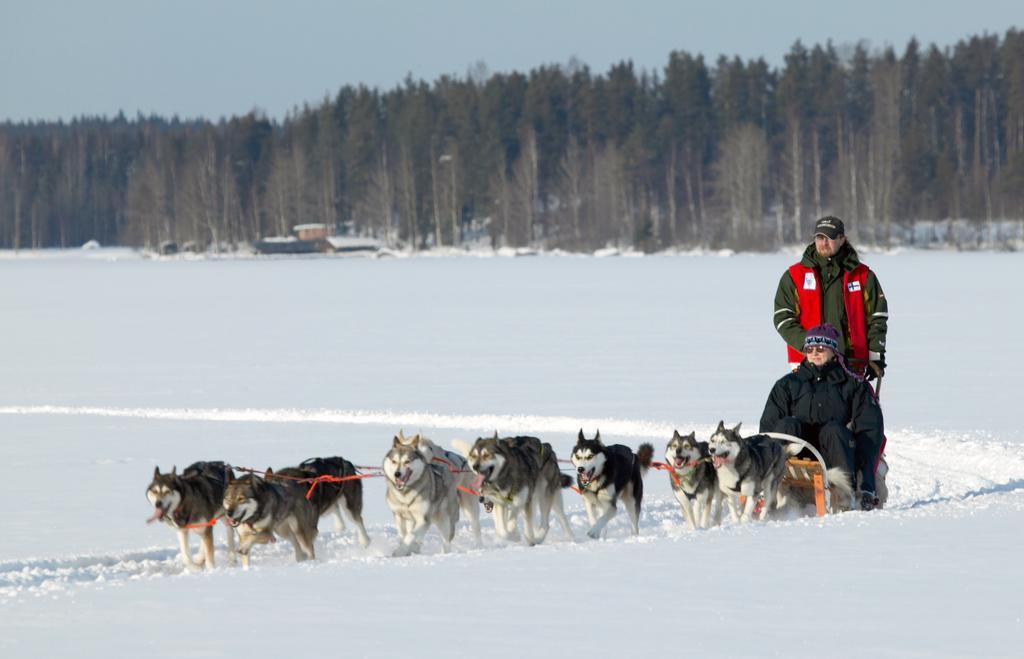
748 466
421 492
607 473
192 499
694 480
461 473
262 508
334 498
520 475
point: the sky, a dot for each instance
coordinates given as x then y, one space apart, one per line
214 58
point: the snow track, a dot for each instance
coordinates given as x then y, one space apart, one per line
932 474
475 422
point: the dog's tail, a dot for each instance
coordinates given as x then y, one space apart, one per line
792 448
842 488
565 480
644 455
462 447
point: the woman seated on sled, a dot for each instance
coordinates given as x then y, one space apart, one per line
824 403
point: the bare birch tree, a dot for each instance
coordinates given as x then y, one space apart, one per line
742 173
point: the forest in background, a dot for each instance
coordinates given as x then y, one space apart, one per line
923 146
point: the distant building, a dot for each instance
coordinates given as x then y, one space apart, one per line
310 231
312 239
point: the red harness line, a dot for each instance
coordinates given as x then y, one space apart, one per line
453 470
201 525
333 479
313 482
665 467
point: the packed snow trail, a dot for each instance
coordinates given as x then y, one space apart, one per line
477 422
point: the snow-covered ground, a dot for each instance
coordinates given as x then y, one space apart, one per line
114 365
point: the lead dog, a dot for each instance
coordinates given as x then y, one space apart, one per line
260 508
191 499
748 466
694 480
605 474
520 475
420 493
336 497
461 473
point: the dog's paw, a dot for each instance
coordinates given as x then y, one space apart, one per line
594 534
402 551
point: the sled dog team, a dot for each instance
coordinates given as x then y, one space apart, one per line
513 477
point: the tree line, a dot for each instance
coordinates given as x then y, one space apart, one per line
735 153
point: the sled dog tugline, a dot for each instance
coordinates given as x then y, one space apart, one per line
830 285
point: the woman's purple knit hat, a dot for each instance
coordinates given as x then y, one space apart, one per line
822 335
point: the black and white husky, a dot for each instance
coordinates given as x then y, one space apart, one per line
461 473
261 508
193 499
694 480
330 497
520 475
748 466
605 474
421 492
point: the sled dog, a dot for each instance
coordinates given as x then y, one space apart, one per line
191 499
748 466
520 475
607 473
694 480
261 508
420 493
334 498
461 473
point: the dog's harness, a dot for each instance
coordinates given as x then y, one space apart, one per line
677 476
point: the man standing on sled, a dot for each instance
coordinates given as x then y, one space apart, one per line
831 285
826 404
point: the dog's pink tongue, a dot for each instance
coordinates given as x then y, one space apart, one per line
477 482
718 461
157 514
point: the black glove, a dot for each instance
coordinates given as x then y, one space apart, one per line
876 368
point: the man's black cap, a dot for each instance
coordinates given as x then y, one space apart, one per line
830 227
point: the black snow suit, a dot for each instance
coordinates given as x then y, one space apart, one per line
832 410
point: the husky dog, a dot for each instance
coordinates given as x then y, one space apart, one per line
334 497
461 473
192 499
748 466
694 480
519 475
261 508
604 474
420 493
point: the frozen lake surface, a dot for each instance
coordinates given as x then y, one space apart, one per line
116 365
